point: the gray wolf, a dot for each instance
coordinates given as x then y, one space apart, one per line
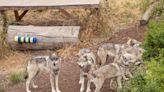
111 49
50 64
115 50
87 63
111 71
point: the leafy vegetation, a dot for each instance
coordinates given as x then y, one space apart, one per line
160 9
154 40
150 80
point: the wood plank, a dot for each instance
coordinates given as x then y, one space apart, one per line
49 37
22 15
42 4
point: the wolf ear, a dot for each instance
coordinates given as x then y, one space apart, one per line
124 58
129 42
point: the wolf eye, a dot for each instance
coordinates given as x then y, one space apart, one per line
56 58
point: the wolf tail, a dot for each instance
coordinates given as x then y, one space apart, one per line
102 56
26 74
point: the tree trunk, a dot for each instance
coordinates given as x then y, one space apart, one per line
148 13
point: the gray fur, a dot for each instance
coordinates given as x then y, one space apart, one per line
50 64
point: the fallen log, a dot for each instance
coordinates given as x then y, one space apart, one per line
48 37
148 13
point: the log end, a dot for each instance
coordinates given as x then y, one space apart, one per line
143 22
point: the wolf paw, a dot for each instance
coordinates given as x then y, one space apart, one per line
88 91
80 82
81 90
58 91
35 86
28 90
53 91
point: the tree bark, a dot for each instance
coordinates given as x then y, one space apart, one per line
148 13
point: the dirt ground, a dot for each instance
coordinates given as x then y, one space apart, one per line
69 74
69 77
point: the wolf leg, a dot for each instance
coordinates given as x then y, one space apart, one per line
57 83
81 81
98 84
88 86
119 79
52 82
31 75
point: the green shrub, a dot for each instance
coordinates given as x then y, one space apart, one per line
15 77
149 80
136 84
154 39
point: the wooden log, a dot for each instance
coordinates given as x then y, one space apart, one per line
3 32
66 13
49 37
4 20
148 13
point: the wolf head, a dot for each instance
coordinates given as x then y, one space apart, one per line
131 59
54 59
85 58
133 43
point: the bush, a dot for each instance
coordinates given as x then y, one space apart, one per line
150 80
160 9
136 84
154 40
15 77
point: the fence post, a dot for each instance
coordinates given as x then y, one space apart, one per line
4 25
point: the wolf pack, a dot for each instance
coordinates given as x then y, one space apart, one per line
93 67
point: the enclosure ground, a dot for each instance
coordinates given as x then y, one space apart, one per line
69 74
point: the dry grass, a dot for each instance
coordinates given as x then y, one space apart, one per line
14 62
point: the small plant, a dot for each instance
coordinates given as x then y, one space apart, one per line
15 77
2 88
149 80
159 11
154 40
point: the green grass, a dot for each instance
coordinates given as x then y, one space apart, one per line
2 88
15 77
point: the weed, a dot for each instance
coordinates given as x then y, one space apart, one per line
2 88
15 77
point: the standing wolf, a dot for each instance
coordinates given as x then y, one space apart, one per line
51 64
110 71
87 63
